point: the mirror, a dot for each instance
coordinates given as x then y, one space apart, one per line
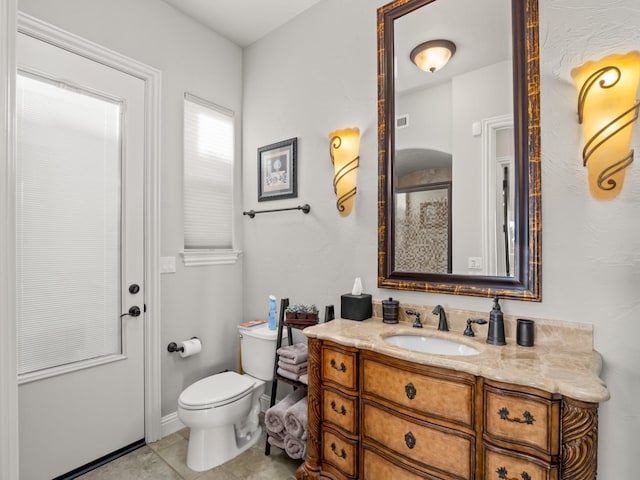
459 149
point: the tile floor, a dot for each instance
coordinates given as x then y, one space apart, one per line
166 460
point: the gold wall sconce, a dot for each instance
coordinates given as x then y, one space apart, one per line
607 109
431 56
344 150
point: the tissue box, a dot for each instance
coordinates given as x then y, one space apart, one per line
355 307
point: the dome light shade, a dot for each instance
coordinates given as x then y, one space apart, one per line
431 56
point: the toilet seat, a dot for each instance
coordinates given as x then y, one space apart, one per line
216 391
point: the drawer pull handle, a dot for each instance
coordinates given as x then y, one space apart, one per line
334 364
528 418
342 411
502 475
410 440
410 390
342 453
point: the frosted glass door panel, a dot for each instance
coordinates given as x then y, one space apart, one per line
69 226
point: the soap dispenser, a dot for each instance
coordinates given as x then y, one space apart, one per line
496 325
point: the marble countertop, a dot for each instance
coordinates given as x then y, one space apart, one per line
570 370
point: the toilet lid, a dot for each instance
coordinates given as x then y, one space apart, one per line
220 388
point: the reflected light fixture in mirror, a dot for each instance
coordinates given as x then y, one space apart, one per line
344 150
431 56
607 109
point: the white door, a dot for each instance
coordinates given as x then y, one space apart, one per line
80 251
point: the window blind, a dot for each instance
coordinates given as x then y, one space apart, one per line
208 175
68 225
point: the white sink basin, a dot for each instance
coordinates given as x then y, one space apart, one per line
433 345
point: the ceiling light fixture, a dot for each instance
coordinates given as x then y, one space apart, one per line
431 56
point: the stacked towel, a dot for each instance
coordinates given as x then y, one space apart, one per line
274 417
295 419
286 424
296 353
295 447
292 361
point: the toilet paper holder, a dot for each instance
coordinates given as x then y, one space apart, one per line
173 346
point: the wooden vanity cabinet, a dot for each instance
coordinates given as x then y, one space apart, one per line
417 416
339 412
375 417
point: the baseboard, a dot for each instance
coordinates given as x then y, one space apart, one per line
170 424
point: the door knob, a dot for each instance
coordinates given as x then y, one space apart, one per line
134 288
133 312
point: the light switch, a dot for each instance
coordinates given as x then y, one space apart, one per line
167 264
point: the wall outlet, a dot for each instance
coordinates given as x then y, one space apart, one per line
475 263
167 264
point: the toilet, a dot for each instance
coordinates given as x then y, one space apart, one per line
222 410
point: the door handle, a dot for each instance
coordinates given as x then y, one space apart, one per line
133 312
134 288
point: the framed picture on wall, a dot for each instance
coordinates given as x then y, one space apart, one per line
277 171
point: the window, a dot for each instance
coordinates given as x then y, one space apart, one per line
208 183
69 144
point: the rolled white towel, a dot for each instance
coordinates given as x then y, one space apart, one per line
304 379
295 447
274 417
296 419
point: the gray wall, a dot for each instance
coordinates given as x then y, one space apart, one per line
318 73
196 301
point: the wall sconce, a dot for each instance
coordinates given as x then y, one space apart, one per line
345 145
431 56
607 108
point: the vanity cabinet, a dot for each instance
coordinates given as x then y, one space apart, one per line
373 416
339 410
521 432
418 416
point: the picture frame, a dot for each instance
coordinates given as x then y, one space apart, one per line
277 170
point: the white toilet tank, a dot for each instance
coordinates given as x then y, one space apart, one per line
258 349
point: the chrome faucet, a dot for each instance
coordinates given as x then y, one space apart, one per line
417 323
442 324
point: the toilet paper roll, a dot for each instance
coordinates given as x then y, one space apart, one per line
191 347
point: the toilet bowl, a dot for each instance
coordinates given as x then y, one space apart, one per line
222 410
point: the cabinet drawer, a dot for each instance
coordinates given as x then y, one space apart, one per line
340 452
339 367
522 420
433 396
503 465
340 409
434 448
376 467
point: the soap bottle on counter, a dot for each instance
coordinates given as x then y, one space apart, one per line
273 310
496 325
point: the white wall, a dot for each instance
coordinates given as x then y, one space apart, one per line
318 73
196 301
476 96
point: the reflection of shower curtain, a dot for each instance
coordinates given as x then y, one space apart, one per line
423 236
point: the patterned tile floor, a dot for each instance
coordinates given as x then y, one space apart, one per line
166 460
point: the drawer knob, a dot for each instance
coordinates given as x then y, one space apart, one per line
410 440
410 390
342 411
527 418
334 364
502 475
334 449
